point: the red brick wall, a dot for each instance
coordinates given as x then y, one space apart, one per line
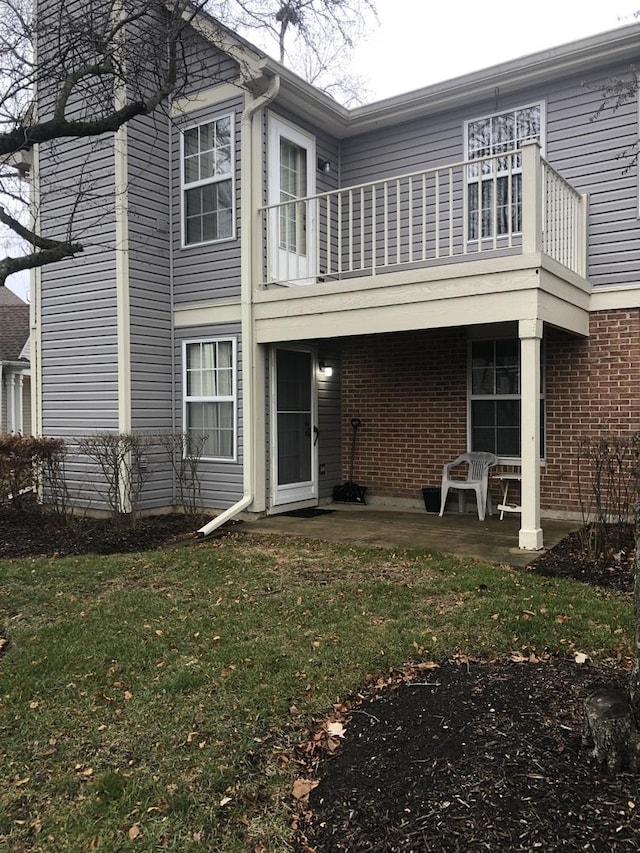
592 387
410 391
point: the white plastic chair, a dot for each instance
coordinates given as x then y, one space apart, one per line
478 465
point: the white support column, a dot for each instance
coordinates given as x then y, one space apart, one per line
18 425
11 402
530 333
531 197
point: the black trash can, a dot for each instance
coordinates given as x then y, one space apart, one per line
431 496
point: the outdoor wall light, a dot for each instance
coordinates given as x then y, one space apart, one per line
323 165
325 369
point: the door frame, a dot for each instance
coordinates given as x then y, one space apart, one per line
305 265
306 492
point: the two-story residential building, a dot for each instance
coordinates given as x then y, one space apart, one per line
458 267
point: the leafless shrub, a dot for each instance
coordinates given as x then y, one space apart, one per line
21 460
608 469
185 467
50 476
122 461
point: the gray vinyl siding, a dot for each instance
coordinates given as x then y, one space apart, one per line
211 270
206 65
78 318
78 298
150 296
329 423
221 481
588 151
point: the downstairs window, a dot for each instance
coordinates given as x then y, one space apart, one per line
210 398
495 398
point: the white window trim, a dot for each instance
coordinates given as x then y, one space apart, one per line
214 180
221 399
277 128
504 460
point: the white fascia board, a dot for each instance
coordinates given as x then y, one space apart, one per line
611 298
205 98
206 314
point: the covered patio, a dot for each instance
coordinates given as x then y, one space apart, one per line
462 534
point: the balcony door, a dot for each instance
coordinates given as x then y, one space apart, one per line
291 183
293 416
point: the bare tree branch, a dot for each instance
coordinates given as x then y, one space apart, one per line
298 29
96 65
87 54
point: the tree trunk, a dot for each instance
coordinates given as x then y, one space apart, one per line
607 727
634 680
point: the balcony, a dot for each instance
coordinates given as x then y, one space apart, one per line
495 225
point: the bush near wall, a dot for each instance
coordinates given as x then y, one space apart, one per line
21 457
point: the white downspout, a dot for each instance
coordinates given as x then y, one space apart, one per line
246 308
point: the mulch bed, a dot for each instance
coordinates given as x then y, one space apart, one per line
468 755
476 756
567 560
472 756
31 532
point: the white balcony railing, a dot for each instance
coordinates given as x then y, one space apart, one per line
508 203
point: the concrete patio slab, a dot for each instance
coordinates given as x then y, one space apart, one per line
491 540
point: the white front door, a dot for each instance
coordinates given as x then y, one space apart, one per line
294 434
292 223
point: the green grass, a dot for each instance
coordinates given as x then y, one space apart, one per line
149 701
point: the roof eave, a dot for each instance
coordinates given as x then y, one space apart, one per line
611 47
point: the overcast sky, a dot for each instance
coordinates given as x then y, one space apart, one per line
420 42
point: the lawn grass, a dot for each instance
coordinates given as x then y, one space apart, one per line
148 701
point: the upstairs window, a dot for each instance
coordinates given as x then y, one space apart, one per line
494 184
207 180
210 398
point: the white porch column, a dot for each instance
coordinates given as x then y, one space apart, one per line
18 425
530 333
11 402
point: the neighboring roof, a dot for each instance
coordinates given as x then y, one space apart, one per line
8 297
14 325
578 57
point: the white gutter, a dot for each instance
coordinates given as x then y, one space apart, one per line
246 307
